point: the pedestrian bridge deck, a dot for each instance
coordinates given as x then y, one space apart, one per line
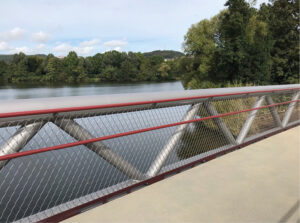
259 183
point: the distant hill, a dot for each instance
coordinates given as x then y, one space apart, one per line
166 54
6 58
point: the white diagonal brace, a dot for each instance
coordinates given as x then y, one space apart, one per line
247 125
273 111
290 109
219 122
18 140
171 144
79 133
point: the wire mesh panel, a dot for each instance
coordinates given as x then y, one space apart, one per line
57 162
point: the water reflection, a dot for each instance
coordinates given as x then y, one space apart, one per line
36 91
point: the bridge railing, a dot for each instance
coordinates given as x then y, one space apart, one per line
60 156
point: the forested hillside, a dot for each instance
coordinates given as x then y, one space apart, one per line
6 58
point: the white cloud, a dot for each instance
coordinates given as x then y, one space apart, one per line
23 49
63 49
11 50
116 44
41 47
40 37
4 46
92 42
14 34
87 50
84 48
144 23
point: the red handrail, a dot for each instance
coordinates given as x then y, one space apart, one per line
72 144
81 108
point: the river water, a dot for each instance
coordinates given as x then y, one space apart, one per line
37 91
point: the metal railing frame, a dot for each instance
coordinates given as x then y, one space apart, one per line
32 109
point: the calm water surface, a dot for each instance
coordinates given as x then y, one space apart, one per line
29 91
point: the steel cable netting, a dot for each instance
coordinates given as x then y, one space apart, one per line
37 186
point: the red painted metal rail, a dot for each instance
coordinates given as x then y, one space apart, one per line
82 142
116 158
104 199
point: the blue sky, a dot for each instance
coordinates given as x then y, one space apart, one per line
91 26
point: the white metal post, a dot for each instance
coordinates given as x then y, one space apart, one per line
80 133
17 141
290 109
273 111
171 144
247 125
219 122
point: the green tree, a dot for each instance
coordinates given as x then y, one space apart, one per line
3 71
146 73
164 69
283 19
110 73
200 46
128 71
81 71
96 64
18 69
244 45
70 66
112 58
55 71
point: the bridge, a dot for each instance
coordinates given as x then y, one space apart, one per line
60 157
259 183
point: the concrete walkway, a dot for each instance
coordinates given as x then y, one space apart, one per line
259 183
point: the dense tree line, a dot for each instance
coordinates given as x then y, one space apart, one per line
109 66
167 54
242 44
245 45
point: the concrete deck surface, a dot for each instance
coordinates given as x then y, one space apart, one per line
259 183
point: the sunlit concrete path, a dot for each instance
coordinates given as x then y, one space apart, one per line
259 183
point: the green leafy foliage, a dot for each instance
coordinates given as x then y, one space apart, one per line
109 66
166 54
283 19
244 44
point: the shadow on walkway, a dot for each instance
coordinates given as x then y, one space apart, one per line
292 210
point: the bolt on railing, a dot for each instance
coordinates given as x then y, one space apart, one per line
63 154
